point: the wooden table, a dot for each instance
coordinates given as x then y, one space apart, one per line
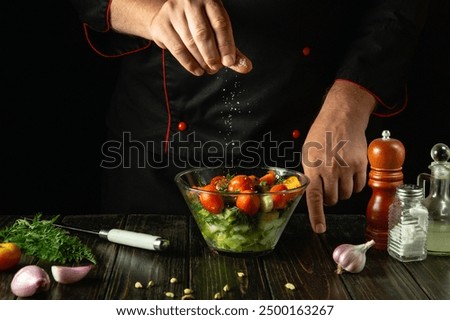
301 258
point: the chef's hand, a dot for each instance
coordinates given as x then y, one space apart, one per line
198 33
334 155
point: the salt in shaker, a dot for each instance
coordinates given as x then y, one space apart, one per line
408 224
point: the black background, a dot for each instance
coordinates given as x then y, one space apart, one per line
56 91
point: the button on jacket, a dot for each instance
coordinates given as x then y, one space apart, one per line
163 119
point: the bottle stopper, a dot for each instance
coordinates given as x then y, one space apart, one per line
440 167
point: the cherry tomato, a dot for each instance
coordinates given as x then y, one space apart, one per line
269 178
255 179
10 254
211 202
279 200
220 182
240 183
248 203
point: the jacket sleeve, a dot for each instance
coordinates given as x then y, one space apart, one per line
380 56
94 15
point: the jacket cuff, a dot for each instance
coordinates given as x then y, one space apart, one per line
384 108
111 44
105 41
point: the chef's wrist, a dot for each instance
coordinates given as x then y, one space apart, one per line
348 100
133 18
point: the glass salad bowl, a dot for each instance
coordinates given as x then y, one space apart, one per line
241 211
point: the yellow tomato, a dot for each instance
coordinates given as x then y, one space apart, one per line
9 255
292 182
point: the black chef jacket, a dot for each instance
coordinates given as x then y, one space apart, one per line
163 119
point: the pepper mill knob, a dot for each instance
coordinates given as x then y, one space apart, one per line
386 153
386 158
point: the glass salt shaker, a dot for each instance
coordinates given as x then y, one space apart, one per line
408 224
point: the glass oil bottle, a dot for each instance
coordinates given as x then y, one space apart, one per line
438 200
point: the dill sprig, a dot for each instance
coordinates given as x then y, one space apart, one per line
41 239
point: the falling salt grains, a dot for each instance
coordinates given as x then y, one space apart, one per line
229 99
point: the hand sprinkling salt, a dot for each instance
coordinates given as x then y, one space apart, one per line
243 64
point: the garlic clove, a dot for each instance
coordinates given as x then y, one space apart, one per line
67 275
351 258
30 280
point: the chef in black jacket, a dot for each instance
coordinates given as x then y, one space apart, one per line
285 83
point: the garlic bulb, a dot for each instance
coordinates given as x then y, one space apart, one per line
30 280
351 258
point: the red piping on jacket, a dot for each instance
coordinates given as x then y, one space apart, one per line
382 115
86 34
166 97
86 28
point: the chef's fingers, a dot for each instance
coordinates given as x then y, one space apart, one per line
169 30
184 49
359 180
183 28
207 25
314 201
221 26
180 52
242 63
330 189
346 187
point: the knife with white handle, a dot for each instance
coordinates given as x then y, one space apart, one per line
128 238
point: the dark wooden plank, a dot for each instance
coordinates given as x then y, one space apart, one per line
211 272
433 276
5 220
300 259
94 222
383 277
133 265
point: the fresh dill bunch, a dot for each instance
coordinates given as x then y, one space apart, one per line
41 239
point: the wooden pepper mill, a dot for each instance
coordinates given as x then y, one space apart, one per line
386 157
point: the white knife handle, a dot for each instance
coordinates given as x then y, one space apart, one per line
135 239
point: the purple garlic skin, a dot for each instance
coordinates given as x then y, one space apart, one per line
351 258
30 280
67 275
